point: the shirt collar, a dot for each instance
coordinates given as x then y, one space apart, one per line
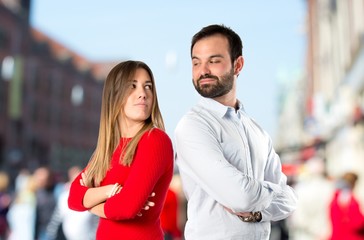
218 108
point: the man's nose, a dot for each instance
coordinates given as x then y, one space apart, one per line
205 70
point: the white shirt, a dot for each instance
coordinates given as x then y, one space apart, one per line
226 159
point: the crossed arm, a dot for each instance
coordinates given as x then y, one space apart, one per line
265 192
95 197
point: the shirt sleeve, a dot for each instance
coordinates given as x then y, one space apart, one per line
153 160
200 156
77 192
284 200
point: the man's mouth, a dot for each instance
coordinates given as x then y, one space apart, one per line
206 81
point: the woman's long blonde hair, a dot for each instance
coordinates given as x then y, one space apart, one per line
116 90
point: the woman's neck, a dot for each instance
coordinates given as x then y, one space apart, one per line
130 130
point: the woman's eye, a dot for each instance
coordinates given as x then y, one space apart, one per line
148 87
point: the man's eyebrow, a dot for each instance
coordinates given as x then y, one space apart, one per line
216 56
212 56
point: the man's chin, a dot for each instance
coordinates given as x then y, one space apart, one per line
206 94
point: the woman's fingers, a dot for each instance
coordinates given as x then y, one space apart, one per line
147 205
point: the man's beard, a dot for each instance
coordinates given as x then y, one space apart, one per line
222 86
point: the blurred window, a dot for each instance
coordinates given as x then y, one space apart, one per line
4 40
7 68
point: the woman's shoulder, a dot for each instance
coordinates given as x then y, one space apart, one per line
157 139
156 133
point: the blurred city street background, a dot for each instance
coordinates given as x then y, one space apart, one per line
303 82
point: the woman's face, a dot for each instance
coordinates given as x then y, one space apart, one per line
138 106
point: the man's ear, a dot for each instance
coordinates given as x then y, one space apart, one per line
238 65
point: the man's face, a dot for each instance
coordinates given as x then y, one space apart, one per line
213 73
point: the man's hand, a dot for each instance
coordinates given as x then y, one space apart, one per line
246 216
239 214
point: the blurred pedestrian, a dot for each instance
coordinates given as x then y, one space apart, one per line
346 217
230 172
22 211
314 190
5 200
69 224
45 200
127 178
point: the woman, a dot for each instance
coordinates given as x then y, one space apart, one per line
127 178
347 220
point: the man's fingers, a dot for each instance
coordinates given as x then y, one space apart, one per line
244 214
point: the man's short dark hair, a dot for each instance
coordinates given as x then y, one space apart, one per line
235 43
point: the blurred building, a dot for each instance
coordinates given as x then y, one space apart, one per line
50 97
325 106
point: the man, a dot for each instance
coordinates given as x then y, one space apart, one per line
230 172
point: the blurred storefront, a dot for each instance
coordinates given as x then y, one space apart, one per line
325 106
50 97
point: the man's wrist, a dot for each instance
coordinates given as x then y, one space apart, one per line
253 217
257 216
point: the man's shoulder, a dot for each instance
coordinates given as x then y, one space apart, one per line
198 120
195 114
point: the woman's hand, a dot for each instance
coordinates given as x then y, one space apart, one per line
110 191
96 195
84 180
147 205
115 189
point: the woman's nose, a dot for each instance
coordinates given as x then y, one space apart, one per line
142 94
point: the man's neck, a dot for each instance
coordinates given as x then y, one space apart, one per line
229 100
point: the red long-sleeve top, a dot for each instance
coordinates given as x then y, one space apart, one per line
150 171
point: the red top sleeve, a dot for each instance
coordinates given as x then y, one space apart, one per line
77 192
151 171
